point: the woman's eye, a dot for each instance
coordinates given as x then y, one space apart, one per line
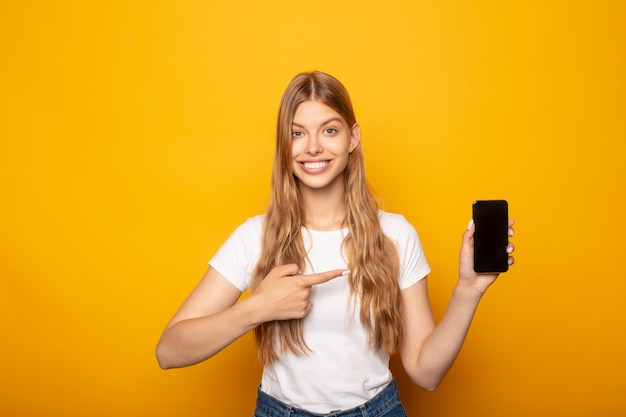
330 130
296 134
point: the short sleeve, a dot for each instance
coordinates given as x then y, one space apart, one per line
236 258
413 264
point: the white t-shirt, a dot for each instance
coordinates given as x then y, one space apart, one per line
342 370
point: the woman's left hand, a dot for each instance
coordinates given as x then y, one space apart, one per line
467 275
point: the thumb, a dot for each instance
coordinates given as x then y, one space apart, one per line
322 277
467 242
468 235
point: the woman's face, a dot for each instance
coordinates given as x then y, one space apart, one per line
321 141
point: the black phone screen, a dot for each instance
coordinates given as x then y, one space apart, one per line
491 239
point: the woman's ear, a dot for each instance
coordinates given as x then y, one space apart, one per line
355 136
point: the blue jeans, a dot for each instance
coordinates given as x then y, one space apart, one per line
385 404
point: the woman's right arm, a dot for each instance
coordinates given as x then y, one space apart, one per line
211 318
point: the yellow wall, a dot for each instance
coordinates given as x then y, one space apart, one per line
136 135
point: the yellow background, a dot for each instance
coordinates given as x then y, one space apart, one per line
136 135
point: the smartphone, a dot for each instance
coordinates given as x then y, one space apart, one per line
491 236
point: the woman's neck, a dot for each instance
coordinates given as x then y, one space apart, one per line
323 209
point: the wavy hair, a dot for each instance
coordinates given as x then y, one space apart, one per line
372 257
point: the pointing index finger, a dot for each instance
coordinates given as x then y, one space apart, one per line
323 277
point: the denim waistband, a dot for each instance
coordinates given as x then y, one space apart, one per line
381 405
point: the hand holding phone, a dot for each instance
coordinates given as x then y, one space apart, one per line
491 239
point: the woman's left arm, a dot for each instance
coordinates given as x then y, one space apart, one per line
428 351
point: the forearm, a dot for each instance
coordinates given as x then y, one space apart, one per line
194 340
195 334
443 345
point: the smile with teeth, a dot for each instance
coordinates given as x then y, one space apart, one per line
315 165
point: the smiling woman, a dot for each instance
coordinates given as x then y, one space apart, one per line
337 285
322 143
134 140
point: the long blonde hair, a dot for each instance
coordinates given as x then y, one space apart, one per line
372 257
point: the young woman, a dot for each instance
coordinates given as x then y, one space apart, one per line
337 285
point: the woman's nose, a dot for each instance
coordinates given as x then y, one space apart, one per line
314 147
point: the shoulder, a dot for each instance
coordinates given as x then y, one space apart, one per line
393 224
413 264
399 229
254 222
247 236
236 258
252 226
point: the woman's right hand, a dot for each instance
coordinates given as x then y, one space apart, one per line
211 318
286 294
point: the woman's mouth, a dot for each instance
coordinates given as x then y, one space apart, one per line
315 165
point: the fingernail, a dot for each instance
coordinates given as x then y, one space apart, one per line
509 250
345 273
469 225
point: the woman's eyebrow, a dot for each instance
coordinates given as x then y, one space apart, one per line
332 119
